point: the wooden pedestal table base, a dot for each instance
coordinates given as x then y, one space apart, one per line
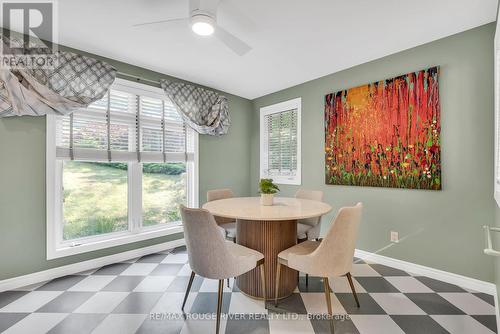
269 238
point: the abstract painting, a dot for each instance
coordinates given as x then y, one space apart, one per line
385 134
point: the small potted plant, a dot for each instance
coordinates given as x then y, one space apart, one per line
267 190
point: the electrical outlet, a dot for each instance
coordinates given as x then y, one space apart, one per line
394 236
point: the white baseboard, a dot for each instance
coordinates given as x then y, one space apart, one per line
462 281
49 274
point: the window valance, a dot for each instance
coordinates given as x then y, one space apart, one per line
206 111
74 82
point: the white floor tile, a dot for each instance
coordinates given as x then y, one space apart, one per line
185 270
396 303
244 304
36 323
171 302
341 285
120 323
375 324
461 324
315 303
280 324
176 258
408 284
363 270
92 283
469 303
154 284
102 302
139 269
31 301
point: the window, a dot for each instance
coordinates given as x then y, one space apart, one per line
118 170
280 142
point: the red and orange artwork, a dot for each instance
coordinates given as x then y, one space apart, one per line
385 134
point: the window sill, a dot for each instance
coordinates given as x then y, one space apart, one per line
66 249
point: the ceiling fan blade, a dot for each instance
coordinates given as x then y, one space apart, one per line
234 43
163 24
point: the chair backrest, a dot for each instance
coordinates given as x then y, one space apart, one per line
207 250
336 250
216 194
315 195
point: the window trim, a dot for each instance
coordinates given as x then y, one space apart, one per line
295 103
56 247
496 66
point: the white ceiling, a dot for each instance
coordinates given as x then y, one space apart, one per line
293 40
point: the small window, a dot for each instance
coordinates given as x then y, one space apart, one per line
280 142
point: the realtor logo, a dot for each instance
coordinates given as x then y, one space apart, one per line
28 34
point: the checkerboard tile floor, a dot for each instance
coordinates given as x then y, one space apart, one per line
135 296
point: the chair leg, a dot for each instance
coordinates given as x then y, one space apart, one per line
307 280
278 273
349 278
219 305
187 290
327 295
263 280
228 283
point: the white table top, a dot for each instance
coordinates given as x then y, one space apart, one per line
284 208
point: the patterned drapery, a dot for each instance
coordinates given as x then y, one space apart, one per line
206 111
74 82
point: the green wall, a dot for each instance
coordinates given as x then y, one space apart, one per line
224 161
439 229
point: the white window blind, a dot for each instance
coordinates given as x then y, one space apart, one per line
126 125
280 142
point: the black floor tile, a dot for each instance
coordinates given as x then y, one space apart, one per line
247 325
113 269
8 297
339 326
124 283
9 319
315 284
388 271
138 303
66 302
290 304
418 324
368 305
152 258
376 284
439 286
206 302
180 283
489 321
487 298
160 326
432 303
62 283
78 324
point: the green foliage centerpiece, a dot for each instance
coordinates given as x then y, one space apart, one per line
267 190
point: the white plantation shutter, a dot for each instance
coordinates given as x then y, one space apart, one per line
280 142
127 124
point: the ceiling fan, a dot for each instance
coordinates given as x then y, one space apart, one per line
203 21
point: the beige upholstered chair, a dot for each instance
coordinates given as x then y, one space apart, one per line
331 257
309 228
211 256
229 225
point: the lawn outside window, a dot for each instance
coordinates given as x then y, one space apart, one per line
118 171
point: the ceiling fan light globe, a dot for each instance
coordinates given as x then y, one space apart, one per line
203 25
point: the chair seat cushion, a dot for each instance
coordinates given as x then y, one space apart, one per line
302 248
247 258
302 230
230 229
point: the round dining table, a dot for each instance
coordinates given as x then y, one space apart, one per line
269 230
